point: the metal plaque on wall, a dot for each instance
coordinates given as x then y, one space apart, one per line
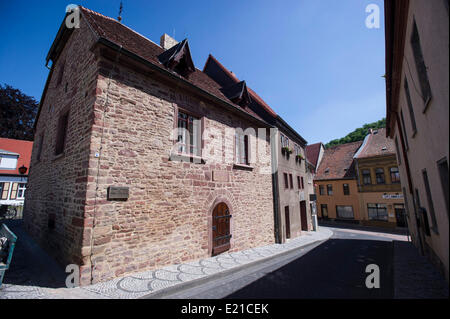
118 193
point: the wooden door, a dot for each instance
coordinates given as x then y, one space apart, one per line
287 221
221 229
303 218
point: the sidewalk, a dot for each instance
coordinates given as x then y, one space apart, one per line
34 275
414 276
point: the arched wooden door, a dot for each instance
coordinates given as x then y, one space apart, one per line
221 233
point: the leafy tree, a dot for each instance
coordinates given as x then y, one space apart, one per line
17 114
357 135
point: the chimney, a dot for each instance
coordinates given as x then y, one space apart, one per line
167 41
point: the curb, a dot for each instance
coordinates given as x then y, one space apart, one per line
189 284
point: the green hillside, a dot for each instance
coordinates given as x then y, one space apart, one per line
358 134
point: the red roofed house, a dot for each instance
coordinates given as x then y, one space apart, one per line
14 154
336 184
140 158
381 196
314 154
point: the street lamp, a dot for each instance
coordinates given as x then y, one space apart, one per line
22 170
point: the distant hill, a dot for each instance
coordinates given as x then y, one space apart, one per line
358 134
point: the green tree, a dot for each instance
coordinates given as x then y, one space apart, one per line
358 134
17 113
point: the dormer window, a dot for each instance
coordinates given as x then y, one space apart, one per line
178 58
237 93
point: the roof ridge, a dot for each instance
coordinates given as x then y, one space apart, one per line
235 78
112 19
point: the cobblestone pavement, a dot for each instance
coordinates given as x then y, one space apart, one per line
23 280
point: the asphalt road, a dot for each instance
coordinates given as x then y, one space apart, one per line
333 269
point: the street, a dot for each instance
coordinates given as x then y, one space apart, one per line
333 269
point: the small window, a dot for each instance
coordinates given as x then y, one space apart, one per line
4 190
321 190
410 107
284 141
405 136
297 150
346 189
286 181
395 175
443 174
61 73
242 149
420 66
299 185
366 177
344 212
303 185
189 134
291 182
61 133
21 191
377 212
379 174
430 201
399 155
329 190
14 189
324 209
39 151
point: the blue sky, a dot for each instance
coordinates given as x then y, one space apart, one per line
313 61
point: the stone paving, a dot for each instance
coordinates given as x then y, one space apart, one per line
145 283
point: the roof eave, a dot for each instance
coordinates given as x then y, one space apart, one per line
172 76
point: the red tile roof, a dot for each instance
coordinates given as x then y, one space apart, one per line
136 43
23 148
337 162
376 144
312 153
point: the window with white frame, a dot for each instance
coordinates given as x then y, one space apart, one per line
297 150
21 191
242 146
284 141
189 134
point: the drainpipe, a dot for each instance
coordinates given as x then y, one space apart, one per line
274 164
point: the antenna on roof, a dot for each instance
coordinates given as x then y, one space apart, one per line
119 18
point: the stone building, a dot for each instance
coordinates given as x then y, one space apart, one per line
336 184
417 82
140 159
378 178
292 208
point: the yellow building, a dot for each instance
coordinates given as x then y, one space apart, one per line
380 192
359 182
336 184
